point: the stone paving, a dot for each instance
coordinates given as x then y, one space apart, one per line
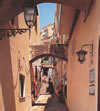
46 102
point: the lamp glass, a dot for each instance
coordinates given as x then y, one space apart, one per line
29 14
81 55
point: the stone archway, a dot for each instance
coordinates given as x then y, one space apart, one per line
58 51
77 4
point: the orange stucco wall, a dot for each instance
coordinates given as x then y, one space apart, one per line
78 74
7 94
67 16
20 65
35 33
14 59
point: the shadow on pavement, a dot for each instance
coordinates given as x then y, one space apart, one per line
55 105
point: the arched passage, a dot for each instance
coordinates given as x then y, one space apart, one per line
46 55
58 51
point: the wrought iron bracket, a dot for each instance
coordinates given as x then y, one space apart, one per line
11 32
88 45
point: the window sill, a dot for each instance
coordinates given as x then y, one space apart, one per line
21 99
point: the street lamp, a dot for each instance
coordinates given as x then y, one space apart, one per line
81 53
30 19
30 16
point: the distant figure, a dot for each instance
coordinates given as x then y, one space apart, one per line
65 88
60 92
51 88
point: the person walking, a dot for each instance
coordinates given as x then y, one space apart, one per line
51 88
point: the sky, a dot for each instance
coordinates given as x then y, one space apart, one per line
47 12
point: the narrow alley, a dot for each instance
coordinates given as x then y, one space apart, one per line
49 55
46 102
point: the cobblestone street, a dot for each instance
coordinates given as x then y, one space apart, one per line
46 102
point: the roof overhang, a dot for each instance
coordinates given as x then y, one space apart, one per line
11 8
66 17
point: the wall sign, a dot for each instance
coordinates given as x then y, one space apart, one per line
92 75
92 89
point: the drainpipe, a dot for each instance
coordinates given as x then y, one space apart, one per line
76 16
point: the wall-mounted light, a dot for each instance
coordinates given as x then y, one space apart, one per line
29 16
81 53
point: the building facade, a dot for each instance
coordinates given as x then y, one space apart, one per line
15 78
47 34
82 31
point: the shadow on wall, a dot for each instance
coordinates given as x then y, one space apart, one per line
6 78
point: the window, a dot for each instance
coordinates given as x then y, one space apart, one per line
53 28
53 60
22 85
45 32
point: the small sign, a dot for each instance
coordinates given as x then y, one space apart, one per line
92 75
92 89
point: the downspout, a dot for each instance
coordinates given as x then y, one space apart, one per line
76 16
